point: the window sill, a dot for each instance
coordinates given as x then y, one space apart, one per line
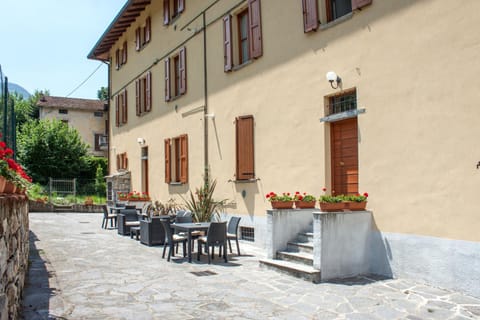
243 65
175 183
333 23
176 97
342 115
245 181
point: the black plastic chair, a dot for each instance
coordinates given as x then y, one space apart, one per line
172 239
232 232
216 235
127 218
107 216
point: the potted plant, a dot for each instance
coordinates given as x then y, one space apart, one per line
202 204
331 203
283 201
356 202
138 196
304 200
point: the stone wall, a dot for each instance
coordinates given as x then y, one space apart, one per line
14 231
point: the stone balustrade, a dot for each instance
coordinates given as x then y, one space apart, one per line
14 232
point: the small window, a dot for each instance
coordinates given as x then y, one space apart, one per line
121 56
63 111
176 75
98 114
121 108
242 36
64 121
325 11
172 9
143 35
247 233
143 94
101 141
337 8
176 159
122 161
347 101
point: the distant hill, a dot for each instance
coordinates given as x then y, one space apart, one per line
12 87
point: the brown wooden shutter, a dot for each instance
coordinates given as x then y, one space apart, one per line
184 158
124 107
125 161
137 39
181 5
148 30
117 112
148 92
168 155
124 53
310 15
358 4
166 12
183 70
227 43
255 28
167 79
118 162
138 106
245 148
117 59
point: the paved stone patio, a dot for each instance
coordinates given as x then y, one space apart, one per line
80 271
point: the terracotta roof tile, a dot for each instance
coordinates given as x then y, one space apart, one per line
70 103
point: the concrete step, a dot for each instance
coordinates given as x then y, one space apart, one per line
294 269
306 247
298 257
305 237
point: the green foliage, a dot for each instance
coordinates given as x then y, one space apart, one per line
50 148
102 94
90 169
100 185
331 199
273 197
202 204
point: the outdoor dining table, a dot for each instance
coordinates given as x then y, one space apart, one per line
189 228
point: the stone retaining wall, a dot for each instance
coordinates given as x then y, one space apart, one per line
14 231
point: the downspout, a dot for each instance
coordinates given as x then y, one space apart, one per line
5 109
205 94
107 129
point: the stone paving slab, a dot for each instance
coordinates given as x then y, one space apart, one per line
81 271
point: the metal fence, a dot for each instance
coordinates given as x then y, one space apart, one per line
7 114
63 188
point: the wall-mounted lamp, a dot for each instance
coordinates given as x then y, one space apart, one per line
141 141
210 115
333 77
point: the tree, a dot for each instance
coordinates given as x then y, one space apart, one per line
102 94
50 148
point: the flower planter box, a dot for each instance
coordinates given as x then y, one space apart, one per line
305 204
333 206
282 204
356 206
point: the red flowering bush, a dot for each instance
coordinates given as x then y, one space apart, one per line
10 169
136 195
285 196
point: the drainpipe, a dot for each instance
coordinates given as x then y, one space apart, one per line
205 94
107 129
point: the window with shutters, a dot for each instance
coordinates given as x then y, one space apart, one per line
122 161
176 159
176 75
242 36
121 108
245 160
322 12
143 94
172 10
121 56
143 35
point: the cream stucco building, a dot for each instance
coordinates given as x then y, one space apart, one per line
240 88
87 116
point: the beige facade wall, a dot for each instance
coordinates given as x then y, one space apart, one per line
83 121
414 65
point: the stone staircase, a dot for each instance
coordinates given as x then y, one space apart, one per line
296 260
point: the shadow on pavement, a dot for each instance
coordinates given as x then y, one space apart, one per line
37 292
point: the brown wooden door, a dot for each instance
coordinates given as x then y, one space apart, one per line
145 169
344 145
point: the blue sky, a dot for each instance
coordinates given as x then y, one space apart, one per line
44 44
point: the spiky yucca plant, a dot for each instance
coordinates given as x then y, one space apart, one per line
202 204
